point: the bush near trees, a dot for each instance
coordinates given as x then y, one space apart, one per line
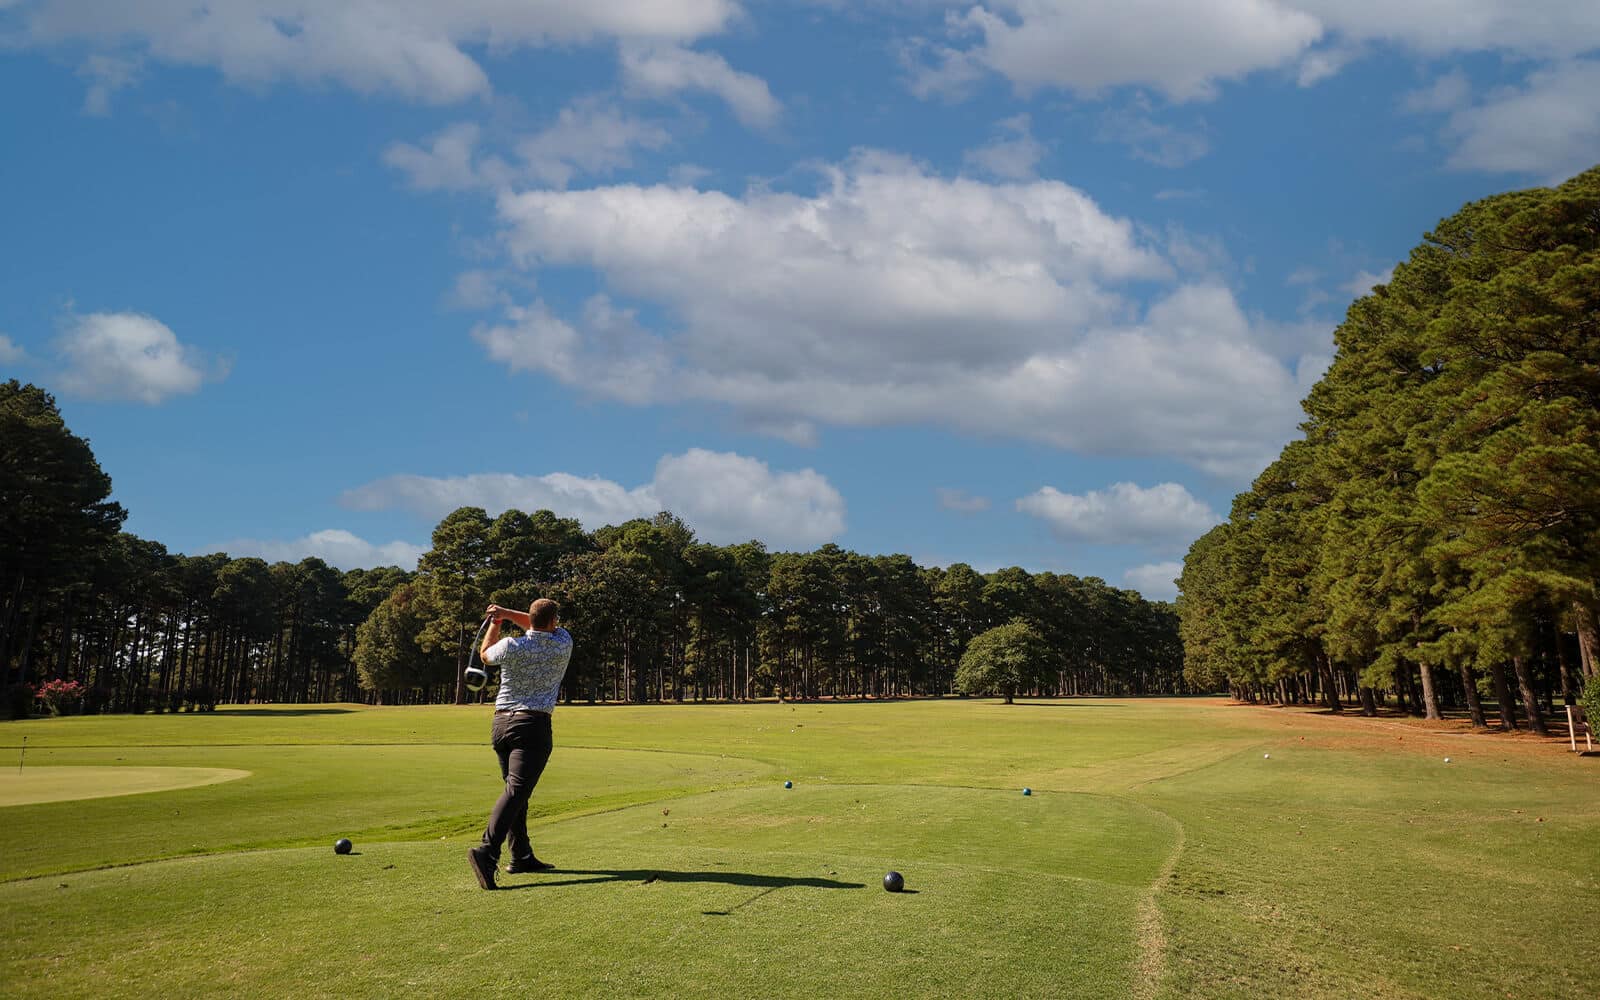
659 614
1004 660
61 697
1435 534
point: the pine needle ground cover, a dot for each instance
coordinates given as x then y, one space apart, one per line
1162 854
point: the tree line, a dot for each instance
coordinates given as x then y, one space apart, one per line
659 614
1434 535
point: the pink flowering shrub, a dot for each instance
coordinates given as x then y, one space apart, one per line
61 697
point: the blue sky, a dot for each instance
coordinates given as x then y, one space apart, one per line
1028 282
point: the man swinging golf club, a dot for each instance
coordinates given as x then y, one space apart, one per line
531 669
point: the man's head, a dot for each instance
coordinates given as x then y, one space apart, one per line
544 614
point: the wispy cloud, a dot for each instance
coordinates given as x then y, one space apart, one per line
961 501
334 546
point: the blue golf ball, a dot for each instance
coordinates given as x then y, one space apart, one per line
894 882
1027 791
341 846
788 784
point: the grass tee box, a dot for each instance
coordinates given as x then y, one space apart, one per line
1161 854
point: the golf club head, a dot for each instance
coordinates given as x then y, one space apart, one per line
477 678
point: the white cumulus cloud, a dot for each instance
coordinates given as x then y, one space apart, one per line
1164 515
724 496
10 352
334 546
1544 29
128 356
1181 47
1186 48
1548 127
415 49
894 297
1156 581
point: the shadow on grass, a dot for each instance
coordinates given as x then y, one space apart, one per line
646 876
281 712
1075 703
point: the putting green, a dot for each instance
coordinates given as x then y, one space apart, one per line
61 784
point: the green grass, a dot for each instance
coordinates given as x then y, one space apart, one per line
59 784
1161 855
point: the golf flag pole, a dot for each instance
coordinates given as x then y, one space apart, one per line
21 756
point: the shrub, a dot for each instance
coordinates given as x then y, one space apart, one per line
19 700
61 697
1591 701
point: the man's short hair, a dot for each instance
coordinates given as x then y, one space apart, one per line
544 613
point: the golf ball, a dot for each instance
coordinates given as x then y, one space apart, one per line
788 784
894 882
1266 756
1027 791
1447 760
341 846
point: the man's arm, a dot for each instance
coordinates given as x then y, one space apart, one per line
489 639
518 618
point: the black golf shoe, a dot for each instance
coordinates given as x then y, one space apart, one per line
482 863
528 865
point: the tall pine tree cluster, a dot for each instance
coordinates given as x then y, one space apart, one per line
659 615
1434 536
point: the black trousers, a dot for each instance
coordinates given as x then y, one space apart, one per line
523 741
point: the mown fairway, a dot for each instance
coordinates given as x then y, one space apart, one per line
1160 855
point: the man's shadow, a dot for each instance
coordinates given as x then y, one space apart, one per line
648 876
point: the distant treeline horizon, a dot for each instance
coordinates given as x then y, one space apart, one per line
1435 534
657 614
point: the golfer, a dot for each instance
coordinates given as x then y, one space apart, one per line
531 669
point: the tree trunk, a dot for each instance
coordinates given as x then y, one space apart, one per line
1530 699
1430 698
1369 704
1583 619
1570 681
1474 706
1502 695
1330 689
